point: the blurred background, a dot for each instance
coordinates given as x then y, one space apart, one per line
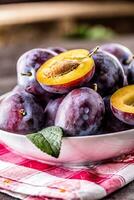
70 24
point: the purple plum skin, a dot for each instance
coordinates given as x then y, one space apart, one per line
131 73
51 110
20 113
80 112
27 66
57 50
127 118
121 52
109 75
112 124
41 99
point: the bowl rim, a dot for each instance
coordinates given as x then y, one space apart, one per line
101 135
80 137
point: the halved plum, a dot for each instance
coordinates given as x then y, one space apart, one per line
122 104
111 123
66 71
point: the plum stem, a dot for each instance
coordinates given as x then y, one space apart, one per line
26 74
95 87
130 59
94 51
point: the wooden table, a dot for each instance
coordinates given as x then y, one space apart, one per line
8 58
48 11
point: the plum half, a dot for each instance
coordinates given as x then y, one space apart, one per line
111 123
27 66
80 112
109 74
20 113
122 104
121 52
66 71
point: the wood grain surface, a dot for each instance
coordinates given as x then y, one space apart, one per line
34 12
8 58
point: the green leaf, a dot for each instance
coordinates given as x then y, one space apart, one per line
48 140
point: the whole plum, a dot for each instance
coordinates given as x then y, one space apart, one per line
27 66
80 112
51 110
20 113
111 123
109 74
131 73
121 52
57 50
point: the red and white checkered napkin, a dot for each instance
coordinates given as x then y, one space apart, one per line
32 180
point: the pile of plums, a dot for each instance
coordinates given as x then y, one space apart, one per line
85 92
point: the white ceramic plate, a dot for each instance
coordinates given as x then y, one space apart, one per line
75 150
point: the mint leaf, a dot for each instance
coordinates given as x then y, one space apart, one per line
48 140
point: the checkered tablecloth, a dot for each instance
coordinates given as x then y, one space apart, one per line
32 180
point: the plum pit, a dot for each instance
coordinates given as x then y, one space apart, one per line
60 68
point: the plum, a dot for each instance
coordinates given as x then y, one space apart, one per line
27 66
80 112
122 104
109 74
121 52
57 50
51 110
20 113
41 99
66 71
111 123
131 73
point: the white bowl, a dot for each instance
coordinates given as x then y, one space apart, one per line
75 150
